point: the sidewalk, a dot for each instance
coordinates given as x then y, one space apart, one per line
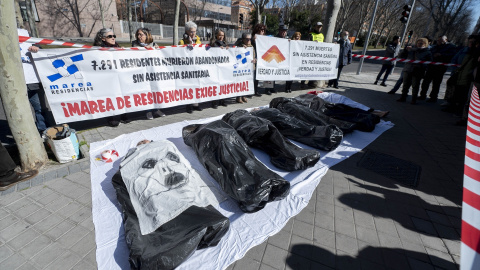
356 219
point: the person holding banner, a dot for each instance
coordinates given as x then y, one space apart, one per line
190 37
288 84
344 57
245 41
145 39
259 29
219 41
8 175
106 38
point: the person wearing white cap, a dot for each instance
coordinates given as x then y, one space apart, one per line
316 34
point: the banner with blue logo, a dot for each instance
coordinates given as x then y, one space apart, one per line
87 84
282 59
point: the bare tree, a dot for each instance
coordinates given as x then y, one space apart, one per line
259 6
175 23
444 13
333 6
13 93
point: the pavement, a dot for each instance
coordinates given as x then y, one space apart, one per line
356 219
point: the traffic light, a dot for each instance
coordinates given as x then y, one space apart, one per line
241 18
407 9
410 33
281 21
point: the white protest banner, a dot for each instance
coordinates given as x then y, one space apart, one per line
311 60
273 62
88 84
280 59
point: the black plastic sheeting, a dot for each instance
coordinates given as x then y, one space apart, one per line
262 134
321 137
304 113
173 242
232 164
364 121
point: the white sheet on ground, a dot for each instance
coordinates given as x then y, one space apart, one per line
246 230
337 98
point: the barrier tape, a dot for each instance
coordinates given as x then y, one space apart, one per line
470 245
43 41
404 60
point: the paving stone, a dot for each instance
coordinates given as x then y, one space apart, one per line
301 246
457 222
247 264
453 246
62 172
385 225
85 199
8 191
84 265
275 257
323 255
5 252
74 168
446 232
281 240
363 219
7 221
257 252
295 262
415 251
88 223
306 216
369 252
49 198
37 245
408 235
434 243
48 223
318 266
419 265
395 260
345 243
366 264
37 216
3 213
13 230
367 235
325 198
344 213
266 267
59 203
389 241
424 226
69 209
439 218
37 180
86 244
65 261
325 209
303 229
441 259
40 193
324 221
24 238
73 236
27 210
345 227
26 266
81 215
14 206
324 237
13 262
6 200
24 185
59 230
48 176
91 257
345 261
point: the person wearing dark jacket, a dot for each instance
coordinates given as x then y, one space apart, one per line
413 73
218 40
8 176
259 30
442 52
344 58
391 51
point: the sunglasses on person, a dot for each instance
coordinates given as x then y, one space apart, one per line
111 36
247 38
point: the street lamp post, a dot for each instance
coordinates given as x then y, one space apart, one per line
218 17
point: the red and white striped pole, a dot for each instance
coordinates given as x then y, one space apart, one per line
470 247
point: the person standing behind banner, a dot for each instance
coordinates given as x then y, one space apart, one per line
246 41
413 73
344 57
144 39
259 29
288 84
218 40
387 66
315 35
190 37
34 87
8 176
106 38
442 52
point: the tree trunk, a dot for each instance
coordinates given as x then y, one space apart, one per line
13 92
130 30
175 23
18 15
101 13
31 19
333 6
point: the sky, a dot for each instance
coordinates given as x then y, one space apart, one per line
475 14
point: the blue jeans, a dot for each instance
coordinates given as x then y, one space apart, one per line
385 67
37 107
398 84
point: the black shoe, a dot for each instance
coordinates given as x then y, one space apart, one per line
158 113
189 109
391 92
18 178
383 84
258 94
223 103
432 100
268 92
125 119
336 87
274 91
197 108
288 91
376 82
214 106
422 98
